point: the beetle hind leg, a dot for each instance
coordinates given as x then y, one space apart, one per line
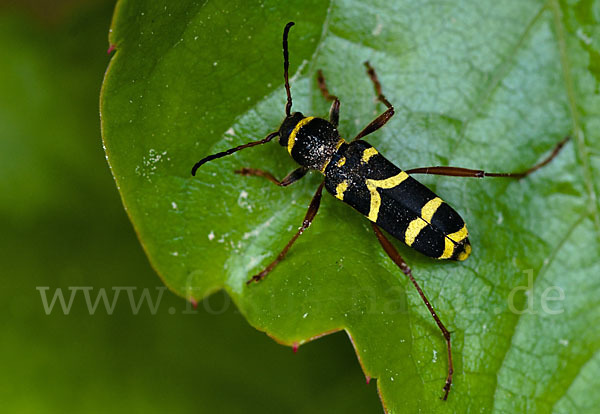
466 172
396 258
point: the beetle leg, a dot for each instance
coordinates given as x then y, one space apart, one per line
291 178
466 172
395 256
310 215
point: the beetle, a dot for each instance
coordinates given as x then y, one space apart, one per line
357 174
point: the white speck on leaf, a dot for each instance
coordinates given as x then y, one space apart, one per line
242 201
585 38
211 236
378 27
149 163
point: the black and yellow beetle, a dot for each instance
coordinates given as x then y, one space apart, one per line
360 176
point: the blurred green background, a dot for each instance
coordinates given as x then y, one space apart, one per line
63 225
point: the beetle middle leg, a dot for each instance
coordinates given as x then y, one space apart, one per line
334 111
313 208
380 96
382 119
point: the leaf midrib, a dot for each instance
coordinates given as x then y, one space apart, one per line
581 147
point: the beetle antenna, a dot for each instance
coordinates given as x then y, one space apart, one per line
286 65
232 150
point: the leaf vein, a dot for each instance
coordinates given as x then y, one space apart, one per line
540 275
581 146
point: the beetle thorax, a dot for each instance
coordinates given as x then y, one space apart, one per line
310 141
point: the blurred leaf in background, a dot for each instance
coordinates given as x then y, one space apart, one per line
63 226
478 84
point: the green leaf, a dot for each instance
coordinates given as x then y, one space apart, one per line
64 230
476 84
